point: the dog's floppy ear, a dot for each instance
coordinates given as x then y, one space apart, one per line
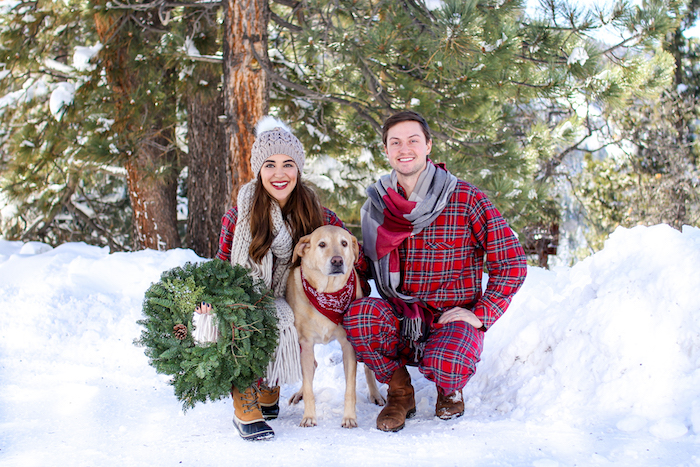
301 247
355 248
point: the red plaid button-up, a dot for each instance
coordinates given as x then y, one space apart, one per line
443 265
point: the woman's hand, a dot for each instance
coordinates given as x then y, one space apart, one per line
460 314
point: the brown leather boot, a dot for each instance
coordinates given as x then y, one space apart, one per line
269 400
247 417
449 405
400 403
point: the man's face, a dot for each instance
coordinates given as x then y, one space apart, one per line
407 148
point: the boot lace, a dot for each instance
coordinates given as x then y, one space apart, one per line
250 399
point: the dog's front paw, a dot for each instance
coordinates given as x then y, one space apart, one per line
377 399
308 421
349 422
296 398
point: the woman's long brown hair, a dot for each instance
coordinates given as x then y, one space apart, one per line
302 212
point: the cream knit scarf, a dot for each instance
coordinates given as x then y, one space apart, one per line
285 367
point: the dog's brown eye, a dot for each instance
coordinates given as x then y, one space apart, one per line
322 245
344 243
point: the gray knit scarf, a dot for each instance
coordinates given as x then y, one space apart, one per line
274 269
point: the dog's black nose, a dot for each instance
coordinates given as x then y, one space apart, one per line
337 261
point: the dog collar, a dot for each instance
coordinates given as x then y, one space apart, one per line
332 305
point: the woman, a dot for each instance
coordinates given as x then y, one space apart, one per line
273 212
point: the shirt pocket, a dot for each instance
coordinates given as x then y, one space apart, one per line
436 260
449 259
438 246
433 266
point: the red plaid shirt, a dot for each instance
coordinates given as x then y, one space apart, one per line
443 265
228 228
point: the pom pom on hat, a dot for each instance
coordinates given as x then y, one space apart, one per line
274 137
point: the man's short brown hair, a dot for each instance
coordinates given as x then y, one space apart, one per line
405 116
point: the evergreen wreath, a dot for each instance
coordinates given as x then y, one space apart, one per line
245 312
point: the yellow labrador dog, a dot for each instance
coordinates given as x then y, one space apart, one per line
319 291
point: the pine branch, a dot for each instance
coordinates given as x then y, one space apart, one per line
374 84
317 96
55 74
160 4
361 110
71 186
532 86
620 44
285 24
114 245
117 5
206 58
293 4
539 61
557 160
147 27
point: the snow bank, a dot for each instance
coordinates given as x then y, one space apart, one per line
616 337
591 365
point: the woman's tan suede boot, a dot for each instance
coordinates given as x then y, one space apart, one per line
247 417
269 400
400 403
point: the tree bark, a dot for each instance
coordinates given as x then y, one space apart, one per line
150 155
207 187
246 84
153 197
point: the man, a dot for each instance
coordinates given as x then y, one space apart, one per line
427 235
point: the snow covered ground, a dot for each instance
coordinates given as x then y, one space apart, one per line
593 365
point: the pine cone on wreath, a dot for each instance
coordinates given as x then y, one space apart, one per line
180 331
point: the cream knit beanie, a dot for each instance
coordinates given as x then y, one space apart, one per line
274 137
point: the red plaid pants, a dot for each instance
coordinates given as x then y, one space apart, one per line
451 351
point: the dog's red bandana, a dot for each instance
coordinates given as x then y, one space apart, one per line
332 305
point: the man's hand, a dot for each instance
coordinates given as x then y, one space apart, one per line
460 314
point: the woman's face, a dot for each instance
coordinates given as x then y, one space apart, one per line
279 175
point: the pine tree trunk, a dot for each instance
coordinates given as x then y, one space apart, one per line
151 160
246 84
207 187
153 198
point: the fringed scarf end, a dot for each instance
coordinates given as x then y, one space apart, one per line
285 367
414 331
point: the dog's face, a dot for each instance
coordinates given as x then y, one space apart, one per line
329 249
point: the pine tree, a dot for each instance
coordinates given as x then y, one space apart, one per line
348 65
656 180
59 184
649 174
87 132
115 123
501 90
208 186
685 51
246 83
141 75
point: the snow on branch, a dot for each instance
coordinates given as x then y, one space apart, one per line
117 5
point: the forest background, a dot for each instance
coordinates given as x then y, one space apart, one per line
129 124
